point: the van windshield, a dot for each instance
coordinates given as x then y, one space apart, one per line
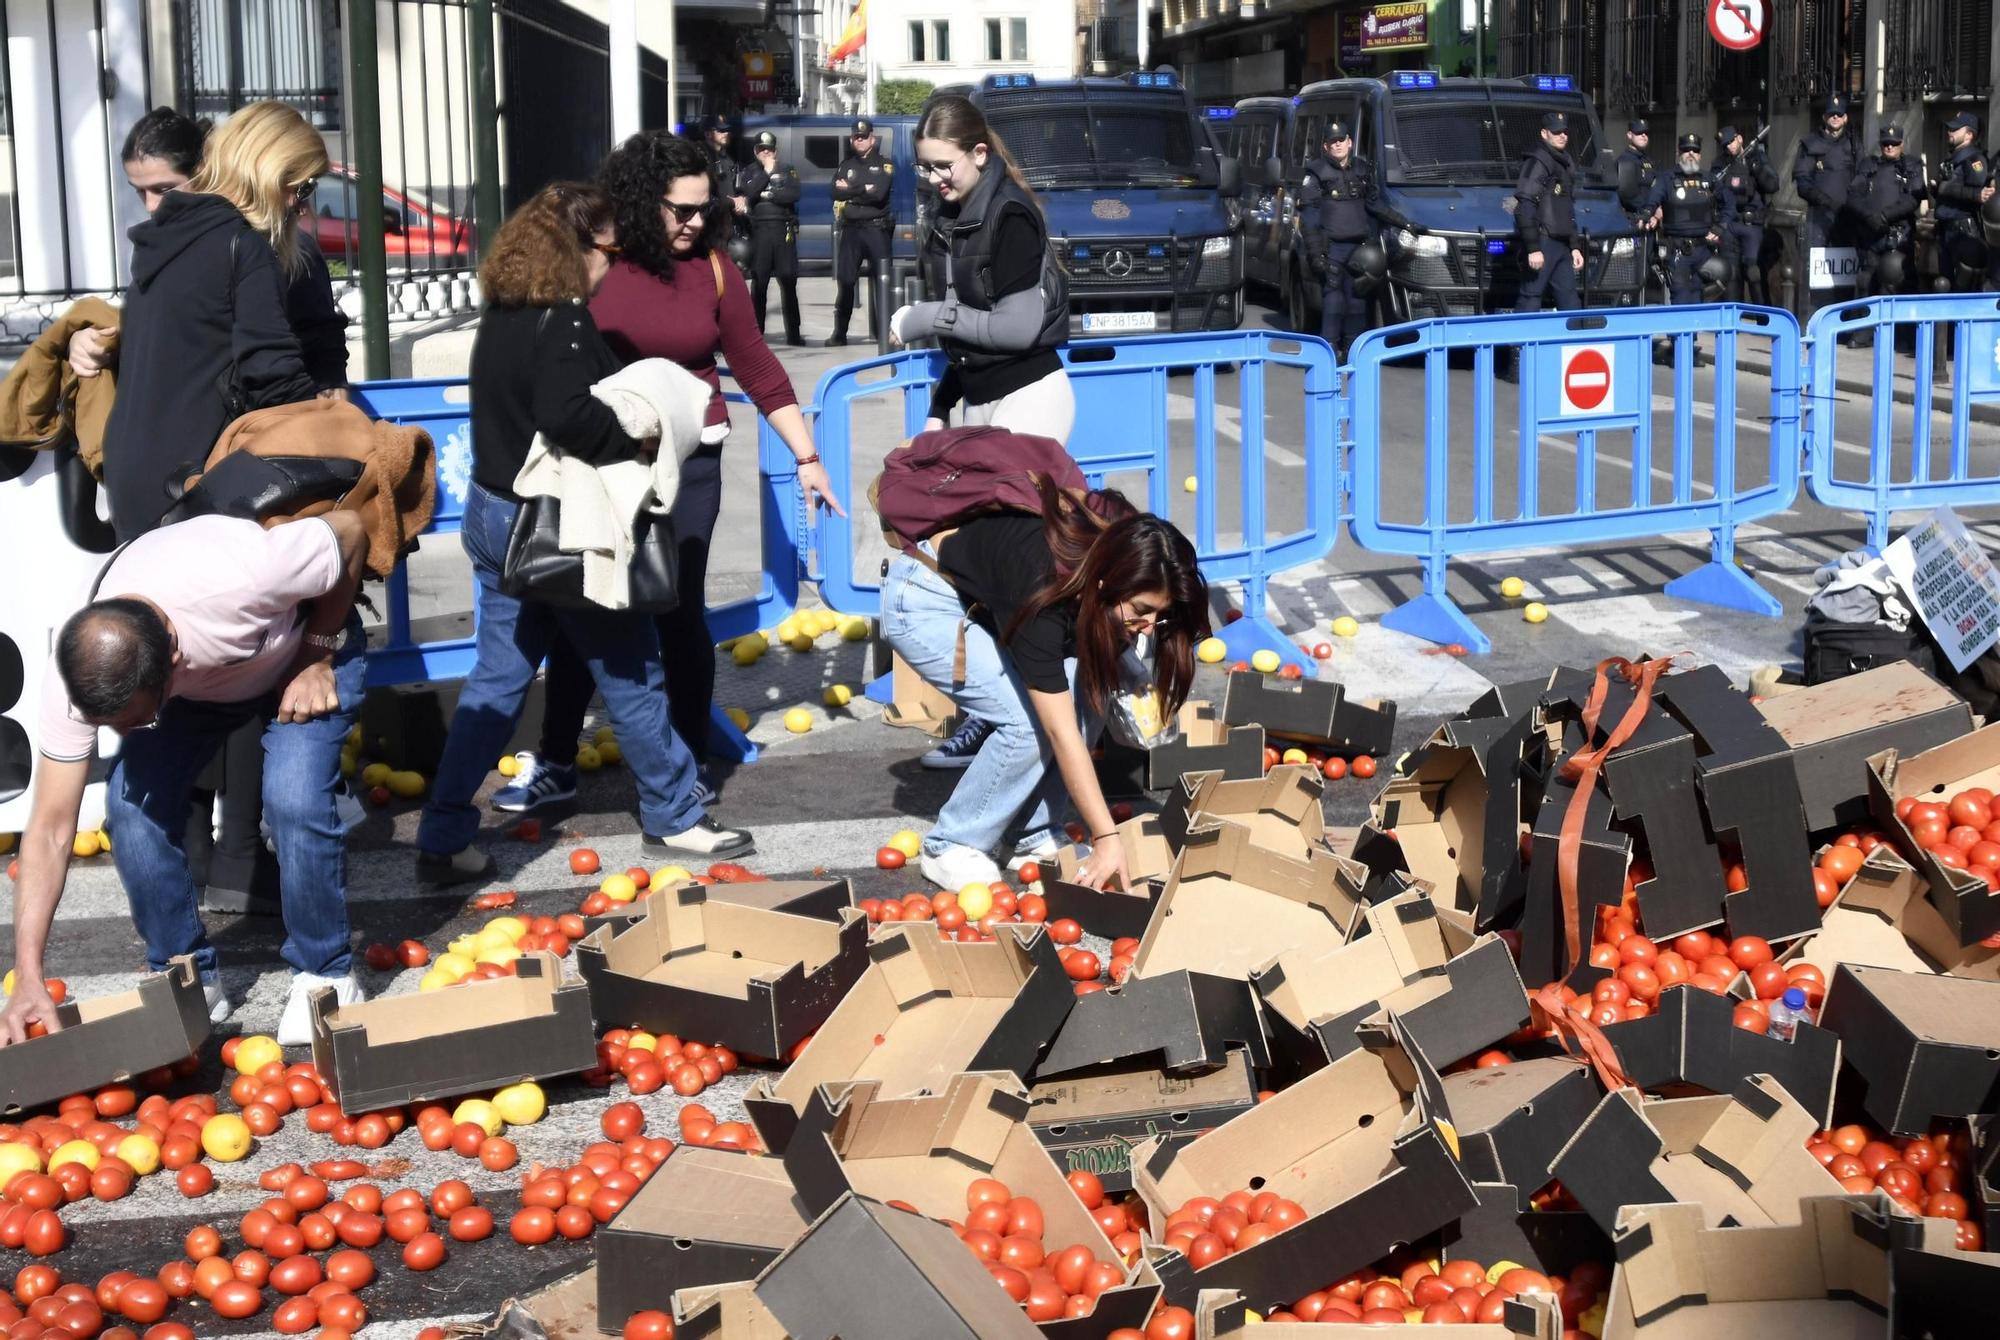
1477 137
1081 144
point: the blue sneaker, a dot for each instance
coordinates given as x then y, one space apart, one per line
963 746
537 784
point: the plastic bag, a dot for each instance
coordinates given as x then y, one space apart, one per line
1136 715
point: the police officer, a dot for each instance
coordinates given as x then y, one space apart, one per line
1635 170
767 191
1883 200
1743 175
1545 218
1337 199
712 133
1822 171
861 203
1969 264
1693 218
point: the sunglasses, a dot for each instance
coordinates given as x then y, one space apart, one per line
685 214
303 192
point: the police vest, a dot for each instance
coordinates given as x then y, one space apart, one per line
958 257
1555 212
1689 209
1343 203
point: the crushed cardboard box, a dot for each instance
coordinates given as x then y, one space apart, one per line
1313 712
1969 907
1092 1123
1221 1314
1918 1046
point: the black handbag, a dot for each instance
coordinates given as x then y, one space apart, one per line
229 382
255 488
536 568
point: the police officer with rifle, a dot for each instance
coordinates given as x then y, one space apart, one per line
1743 176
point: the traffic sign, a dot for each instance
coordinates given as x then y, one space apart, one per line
1737 24
1586 378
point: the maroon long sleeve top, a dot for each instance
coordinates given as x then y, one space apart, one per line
644 316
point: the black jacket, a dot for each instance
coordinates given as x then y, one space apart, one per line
176 340
316 319
1545 197
532 370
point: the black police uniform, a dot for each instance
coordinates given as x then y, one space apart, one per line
861 197
1822 172
1748 182
1633 167
774 239
1335 204
1883 200
1969 263
1692 212
1545 218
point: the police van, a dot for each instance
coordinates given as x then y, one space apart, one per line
1140 201
1448 153
815 146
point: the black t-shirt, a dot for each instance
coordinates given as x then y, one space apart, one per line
998 563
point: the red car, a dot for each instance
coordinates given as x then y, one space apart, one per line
415 231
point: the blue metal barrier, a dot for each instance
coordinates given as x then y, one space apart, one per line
1122 409
442 408
1973 322
1580 374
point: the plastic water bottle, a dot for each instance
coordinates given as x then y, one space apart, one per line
1786 1011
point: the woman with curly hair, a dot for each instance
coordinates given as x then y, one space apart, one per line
534 361
673 294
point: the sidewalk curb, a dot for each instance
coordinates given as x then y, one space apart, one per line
1901 393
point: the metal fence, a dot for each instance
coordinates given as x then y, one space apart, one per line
1941 48
1552 37
1642 45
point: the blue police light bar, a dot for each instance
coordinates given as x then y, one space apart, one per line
1496 248
1413 79
1554 83
1220 113
1153 79
1010 81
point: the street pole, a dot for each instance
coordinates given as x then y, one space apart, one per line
1145 31
673 69
874 77
364 113
624 54
1479 38
486 205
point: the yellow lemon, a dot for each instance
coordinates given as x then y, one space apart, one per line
1499 1268
976 899
376 774
837 695
853 629
759 641
348 763
603 735
1591 1320
508 766
437 979
7 841
800 642
501 956
669 875
225 1138
489 940
1345 626
1252 1318
1190 484
453 966
521 1104
7 983
588 759
908 841
746 652
15 1156
103 839
257 1051
1211 651
642 1040
1265 661
85 844
1294 756
511 927
406 785
609 752
1511 587
465 946
75 1151
788 629
480 1113
619 888
798 721
1535 611
354 737
737 717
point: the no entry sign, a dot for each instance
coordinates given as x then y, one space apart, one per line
1737 24
1586 378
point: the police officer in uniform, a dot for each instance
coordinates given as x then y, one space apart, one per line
1744 177
1883 199
1337 199
1634 170
1822 172
1969 264
861 203
1693 218
712 133
767 191
1545 218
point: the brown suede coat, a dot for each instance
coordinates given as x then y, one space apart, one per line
44 405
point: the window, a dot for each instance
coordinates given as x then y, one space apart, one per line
1006 39
826 151
930 41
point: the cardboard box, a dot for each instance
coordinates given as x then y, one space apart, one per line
1884 919
1455 807
1741 1159
1825 1276
1311 712
563 1310
1513 1120
1603 855
1219 1314
472 1038
1836 727
724 1312
1918 1047
1452 994
108 1038
754 981
1692 1044
825 899
920 1281
1206 745
1092 1123
915 703
708 1216
1969 907
1281 809
1113 913
925 1010
925 1151
1230 906
1497 1229
1178 1022
1357 1145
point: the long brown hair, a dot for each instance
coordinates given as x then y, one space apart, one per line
537 259
958 122
1107 551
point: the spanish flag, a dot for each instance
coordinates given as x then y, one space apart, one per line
854 36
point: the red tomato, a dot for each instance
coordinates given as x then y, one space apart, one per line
424 1252
1362 766
1747 951
1768 981
583 861
1088 1189
890 858
1969 809
235 1300
650 1324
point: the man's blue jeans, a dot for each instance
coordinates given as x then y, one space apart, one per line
147 798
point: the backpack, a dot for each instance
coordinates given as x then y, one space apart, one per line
939 480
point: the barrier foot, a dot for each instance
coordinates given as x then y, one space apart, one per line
1436 618
880 690
1726 585
1254 633
725 741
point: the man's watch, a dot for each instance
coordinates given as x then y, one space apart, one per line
326 642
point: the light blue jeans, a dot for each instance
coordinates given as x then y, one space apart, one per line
1012 785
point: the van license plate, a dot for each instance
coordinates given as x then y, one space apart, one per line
1103 323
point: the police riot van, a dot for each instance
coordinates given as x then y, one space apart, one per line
1140 202
1448 153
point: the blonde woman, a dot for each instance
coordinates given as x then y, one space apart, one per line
204 322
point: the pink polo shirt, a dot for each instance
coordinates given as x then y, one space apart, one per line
232 591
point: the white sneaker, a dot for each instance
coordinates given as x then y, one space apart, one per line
295 1028
1042 853
959 867
219 1008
